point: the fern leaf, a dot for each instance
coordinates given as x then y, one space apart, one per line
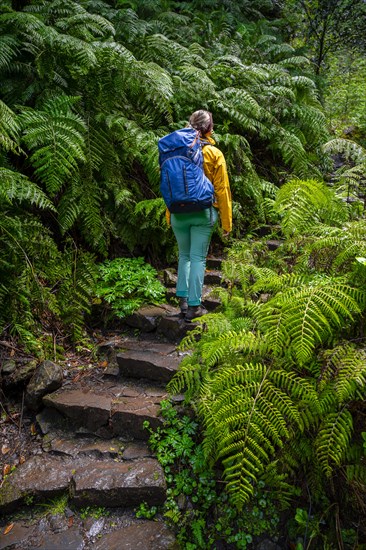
333 439
16 187
55 135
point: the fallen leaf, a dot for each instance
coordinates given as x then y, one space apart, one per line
103 364
5 449
6 469
71 521
8 528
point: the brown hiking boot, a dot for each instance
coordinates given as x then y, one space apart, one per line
195 311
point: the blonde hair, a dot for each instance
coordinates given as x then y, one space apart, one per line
202 121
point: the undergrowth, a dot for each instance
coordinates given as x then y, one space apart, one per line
197 507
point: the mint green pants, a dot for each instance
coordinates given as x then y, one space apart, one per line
193 233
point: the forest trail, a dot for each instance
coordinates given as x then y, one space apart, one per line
94 444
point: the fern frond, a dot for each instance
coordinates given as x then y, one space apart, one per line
9 48
86 26
228 344
187 379
341 244
292 151
350 149
333 439
55 135
242 100
302 204
16 187
9 129
249 410
294 61
302 318
345 372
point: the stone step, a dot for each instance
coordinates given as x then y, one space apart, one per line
147 318
213 275
64 444
89 481
117 409
209 301
147 535
166 321
155 362
213 262
90 534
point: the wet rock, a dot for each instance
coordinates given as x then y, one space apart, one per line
210 302
41 476
67 540
213 278
46 379
84 408
170 278
130 413
135 450
150 535
273 245
148 364
148 318
57 523
8 366
21 375
214 263
49 420
174 328
85 447
95 528
17 537
125 484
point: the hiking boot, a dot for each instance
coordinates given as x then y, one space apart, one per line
183 304
195 311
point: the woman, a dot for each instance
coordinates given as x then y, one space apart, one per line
193 231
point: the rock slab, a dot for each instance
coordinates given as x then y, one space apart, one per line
89 482
139 536
148 364
119 483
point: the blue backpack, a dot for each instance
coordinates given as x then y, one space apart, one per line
183 183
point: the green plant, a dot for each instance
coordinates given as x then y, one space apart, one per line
56 506
196 506
144 511
95 512
127 283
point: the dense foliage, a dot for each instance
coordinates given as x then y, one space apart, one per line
277 377
87 88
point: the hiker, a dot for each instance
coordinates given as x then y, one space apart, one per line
193 229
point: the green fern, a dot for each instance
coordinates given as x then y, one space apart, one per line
248 411
55 135
9 129
333 439
16 187
299 319
340 245
304 204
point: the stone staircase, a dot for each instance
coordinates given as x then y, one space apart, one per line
94 445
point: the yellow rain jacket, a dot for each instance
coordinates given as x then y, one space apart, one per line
214 165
